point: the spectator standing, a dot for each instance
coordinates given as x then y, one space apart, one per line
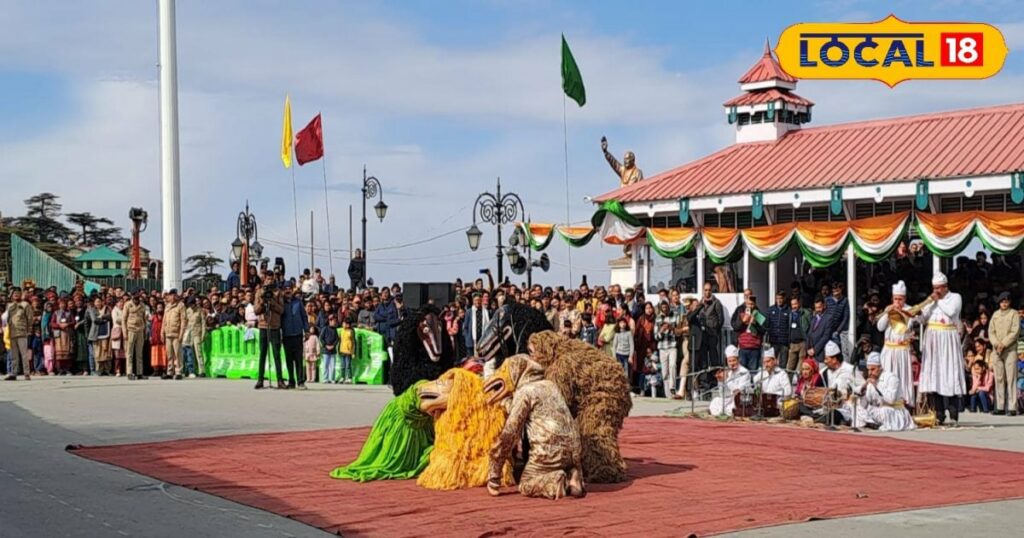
820 332
62 327
329 346
269 309
1004 328
778 328
748 324
346 348
623 344
798 323
195 333
838 307
711 317
477 317
294 326
157 349
19 323
311 352
668 347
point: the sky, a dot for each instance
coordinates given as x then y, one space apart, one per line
437 99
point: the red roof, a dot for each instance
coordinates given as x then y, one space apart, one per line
973 142
764 96
767 68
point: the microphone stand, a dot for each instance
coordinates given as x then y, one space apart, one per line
759 397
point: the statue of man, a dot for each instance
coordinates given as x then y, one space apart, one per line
627 170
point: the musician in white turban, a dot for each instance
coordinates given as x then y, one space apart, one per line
730 381
895 323
838 374
880 404
773 380
942 360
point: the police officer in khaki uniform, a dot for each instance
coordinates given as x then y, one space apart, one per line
19 323
172 330
133 325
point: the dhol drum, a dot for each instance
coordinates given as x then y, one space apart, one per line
814 397
747 405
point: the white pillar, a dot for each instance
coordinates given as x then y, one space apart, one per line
746 269
647 269
700 265
634 265
169 180
772 284
851 290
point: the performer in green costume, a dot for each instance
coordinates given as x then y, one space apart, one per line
399 444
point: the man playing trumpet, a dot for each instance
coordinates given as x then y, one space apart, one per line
895 323
942 359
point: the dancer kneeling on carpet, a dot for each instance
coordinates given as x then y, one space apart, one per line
553 468
465 428
731 380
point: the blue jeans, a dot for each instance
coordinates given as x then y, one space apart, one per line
346 367
92 359
751 359
328 374
189 355
981 398
624 360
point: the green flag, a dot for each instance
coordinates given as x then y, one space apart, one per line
572 81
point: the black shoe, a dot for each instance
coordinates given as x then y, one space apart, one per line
259 385
131 377
1012 413
141 377
290 386
11 378
177 377
998 412
281 385
165 376
302 386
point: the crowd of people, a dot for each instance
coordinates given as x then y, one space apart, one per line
670 344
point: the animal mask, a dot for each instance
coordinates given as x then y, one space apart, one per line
515 372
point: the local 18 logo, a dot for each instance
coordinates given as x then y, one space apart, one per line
892 50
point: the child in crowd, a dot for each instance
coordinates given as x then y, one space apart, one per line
329 344
346 348
566 329
652 371
981 386
588 332
35 345
157 351
311 351
623 344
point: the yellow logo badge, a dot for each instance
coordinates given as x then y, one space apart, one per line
892 50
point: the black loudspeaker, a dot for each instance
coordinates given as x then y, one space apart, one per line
414 294
441 293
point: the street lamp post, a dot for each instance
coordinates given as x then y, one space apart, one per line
246 239
371 187
496 209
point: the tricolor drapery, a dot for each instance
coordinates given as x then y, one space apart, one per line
822 243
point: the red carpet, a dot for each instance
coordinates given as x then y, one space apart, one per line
687 476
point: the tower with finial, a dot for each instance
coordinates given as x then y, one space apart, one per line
767 109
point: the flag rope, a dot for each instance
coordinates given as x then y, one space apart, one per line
327 210
565 142
295 212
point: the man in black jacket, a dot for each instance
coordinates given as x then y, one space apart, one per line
778 326
821 329
710 318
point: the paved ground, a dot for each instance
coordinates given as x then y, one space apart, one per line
45 491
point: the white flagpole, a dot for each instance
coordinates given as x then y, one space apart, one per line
295 211
327 210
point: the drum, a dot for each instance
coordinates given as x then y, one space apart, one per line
791 409
814 397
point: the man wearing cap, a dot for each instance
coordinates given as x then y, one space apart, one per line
1003 330
172 330
895 356
881 401
839 375
734 378
771 378
942 359
133 325
19 325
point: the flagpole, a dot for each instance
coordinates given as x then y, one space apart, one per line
295 212
565 141
327 210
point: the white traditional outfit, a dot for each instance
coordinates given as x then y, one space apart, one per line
736 380
775 382
895 354
882 403
942 359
